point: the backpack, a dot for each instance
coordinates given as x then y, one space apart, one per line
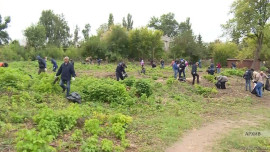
246 75
41 64
75 97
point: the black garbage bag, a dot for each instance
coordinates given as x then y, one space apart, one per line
267 85
75 97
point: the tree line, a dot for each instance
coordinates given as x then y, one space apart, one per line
248 31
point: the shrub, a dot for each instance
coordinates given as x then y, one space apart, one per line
44 84
107 145
105 90
31 140
128 81
120 118
77 135
13 78
235 72
118 130
210 78
92 126
205 91
263 68
91 145
143 87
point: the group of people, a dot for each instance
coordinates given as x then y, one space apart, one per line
258 79
89 60
180 67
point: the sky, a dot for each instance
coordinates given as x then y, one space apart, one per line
206 16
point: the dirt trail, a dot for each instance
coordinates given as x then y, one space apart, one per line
204 138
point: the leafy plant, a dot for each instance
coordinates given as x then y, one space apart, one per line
31 140
143 87
205 91
77 135
91 145
118 130
92 126
210 78
107 145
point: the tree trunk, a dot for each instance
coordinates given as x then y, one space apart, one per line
257 51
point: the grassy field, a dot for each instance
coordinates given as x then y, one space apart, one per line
142 113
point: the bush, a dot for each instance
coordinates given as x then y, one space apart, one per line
235 72
120 118
13 78
91 144
205 91
31 140
263 68
107 145
128 81
77 135
118 130
92 126
105 90
44 84
210 78
143 87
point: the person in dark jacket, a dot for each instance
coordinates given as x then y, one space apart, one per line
3 64
248 77
182 67
162 63
42 65
120 70
66 70
194 73
55 66
175 69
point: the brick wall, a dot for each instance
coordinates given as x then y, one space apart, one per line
243 64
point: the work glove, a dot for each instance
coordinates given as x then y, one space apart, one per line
55 76
73 78
46 69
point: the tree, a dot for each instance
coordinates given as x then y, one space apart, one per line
57 29
76 36
124 22
145 43
94 47
103 28
165 23
117 42
223 51
4 37
35 36
129 22
86 31
250 17
111 20
185 43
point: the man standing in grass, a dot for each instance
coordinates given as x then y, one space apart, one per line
120 70
42 64
248 77
194 73
55 66
66 70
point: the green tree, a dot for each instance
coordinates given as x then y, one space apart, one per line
35 36
129 23
145 43
57 29
117 42
76 36
250 17
103 28
4 37
86 31
185 43
111 20
94 47
224 51
165 23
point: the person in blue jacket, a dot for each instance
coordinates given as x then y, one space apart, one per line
55 66
175 69
42 64
66 70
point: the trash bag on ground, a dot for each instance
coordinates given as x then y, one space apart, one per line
75 97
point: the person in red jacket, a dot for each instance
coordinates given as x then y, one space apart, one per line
3 64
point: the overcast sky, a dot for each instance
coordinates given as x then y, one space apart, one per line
206 15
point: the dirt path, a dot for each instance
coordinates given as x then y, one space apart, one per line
204 138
